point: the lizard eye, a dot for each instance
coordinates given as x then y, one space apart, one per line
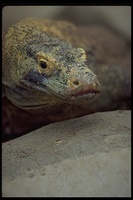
43 64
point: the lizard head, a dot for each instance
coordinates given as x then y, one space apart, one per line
51 71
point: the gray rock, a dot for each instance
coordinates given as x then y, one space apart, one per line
87 156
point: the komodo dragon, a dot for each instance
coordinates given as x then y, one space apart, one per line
53 70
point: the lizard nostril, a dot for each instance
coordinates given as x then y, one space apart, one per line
75 82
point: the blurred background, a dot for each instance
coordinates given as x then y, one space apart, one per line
115 17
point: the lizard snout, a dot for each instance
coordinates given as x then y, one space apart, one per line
76 85
83 91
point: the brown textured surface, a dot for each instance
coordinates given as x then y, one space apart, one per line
15 120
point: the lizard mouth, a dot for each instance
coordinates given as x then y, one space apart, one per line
85 93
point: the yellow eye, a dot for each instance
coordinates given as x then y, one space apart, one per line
43 64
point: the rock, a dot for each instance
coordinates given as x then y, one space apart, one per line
88 156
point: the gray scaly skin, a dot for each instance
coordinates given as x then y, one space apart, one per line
51 68
40 70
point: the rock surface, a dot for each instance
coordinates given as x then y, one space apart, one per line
85 157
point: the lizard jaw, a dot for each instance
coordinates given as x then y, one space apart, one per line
85 93
76 91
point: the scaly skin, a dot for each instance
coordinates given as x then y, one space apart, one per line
50 67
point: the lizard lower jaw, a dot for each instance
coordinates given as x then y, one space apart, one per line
84 98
